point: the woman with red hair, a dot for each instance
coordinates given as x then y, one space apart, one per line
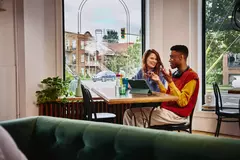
151 62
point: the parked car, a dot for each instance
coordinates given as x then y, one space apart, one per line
104 76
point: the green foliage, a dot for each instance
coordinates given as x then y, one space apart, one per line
220 37
88 76
114 63
84 76
129 61
52 88
217 12
68 75
111 37
134 56
215 76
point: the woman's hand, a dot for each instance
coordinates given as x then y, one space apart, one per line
154 77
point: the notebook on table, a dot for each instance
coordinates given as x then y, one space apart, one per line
139 86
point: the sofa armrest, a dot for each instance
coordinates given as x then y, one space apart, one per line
22 131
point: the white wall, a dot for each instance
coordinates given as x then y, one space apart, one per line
28 53
175 22
40 47
30 50
7 63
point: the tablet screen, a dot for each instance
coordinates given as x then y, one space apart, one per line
138 84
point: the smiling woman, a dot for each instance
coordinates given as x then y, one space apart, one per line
95 27
151 63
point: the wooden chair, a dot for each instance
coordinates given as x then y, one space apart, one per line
89 111
225 114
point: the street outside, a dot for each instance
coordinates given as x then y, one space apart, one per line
99 84
229 100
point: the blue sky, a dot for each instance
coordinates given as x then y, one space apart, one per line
103 14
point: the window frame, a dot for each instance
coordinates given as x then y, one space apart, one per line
203 50
143 24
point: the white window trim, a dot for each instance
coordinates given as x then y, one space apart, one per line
199 106
59 38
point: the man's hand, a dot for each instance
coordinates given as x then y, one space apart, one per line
167 76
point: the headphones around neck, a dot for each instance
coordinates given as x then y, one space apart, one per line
178 74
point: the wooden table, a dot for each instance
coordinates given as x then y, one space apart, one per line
108 94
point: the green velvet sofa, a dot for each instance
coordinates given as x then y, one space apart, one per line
49 138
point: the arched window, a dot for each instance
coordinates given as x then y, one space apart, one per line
109 29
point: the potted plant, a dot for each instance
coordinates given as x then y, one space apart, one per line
52 89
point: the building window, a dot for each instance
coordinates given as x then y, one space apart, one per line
112 30
88 59
73 58
82 71
67 47
82 59
74 44
221 47
82 44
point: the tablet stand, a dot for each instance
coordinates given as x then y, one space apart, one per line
140 91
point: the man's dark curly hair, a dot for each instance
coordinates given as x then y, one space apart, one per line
180 48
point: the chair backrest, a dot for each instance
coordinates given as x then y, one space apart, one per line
88 104
191 117
218 97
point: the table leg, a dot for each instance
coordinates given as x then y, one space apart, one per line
148 119
150 116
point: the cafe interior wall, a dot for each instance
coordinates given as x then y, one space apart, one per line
38 51
7 63
30 41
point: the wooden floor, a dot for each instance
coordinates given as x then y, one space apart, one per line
212 134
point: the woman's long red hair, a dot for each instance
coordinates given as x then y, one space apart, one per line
159 65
